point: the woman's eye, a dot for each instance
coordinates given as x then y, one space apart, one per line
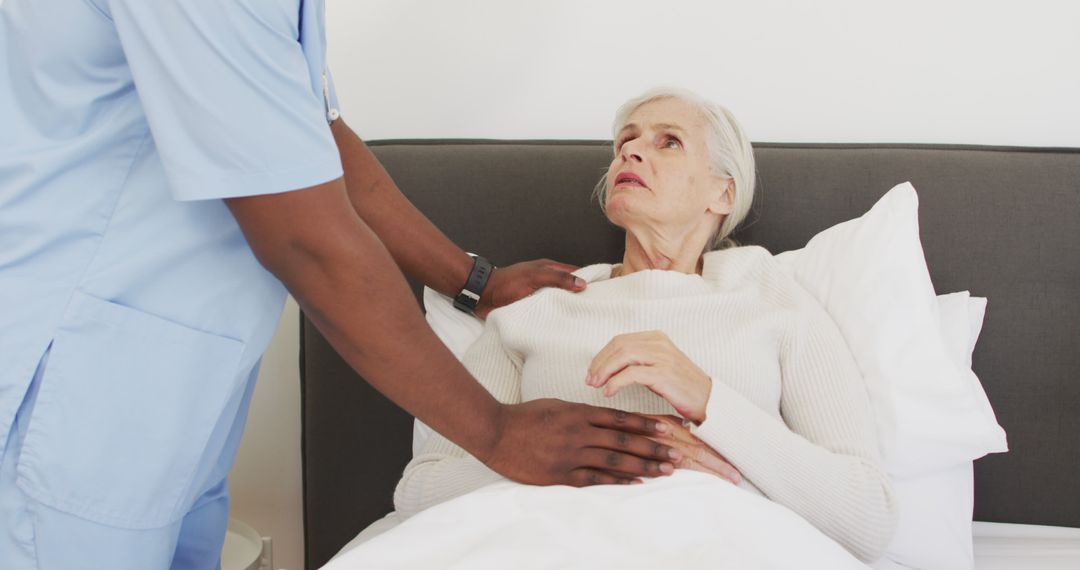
671 142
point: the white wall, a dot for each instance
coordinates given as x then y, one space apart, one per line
955 71
977 72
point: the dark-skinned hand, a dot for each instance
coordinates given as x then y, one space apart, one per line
552 442
513 282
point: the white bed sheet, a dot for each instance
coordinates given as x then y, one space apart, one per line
1002 546
998 546
692 517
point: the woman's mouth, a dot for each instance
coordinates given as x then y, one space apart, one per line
630 179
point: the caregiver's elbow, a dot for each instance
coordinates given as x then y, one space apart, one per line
292 233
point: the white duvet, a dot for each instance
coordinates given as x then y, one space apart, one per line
687 520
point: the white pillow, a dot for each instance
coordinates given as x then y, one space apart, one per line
870 274
934 528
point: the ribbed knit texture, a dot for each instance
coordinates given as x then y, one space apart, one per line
788 407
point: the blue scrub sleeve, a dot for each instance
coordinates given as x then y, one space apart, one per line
229 95
332 93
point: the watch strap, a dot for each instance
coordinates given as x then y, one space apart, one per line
469 296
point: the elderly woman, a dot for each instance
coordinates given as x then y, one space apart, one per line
690 327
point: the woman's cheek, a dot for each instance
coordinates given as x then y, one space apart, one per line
619 203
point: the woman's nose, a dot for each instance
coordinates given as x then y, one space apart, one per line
631 152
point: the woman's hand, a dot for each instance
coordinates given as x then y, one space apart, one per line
510 283
650 359
696 454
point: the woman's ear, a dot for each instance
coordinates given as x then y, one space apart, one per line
724 201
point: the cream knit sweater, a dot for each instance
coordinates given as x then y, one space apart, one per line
788 407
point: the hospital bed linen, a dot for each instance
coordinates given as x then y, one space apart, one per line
690 519
998 546
1006 546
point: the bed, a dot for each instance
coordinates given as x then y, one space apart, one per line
1000 222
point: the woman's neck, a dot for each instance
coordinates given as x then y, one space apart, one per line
655 252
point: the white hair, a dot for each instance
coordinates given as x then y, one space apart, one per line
730 153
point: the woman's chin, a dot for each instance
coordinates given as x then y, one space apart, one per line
619 215
623 204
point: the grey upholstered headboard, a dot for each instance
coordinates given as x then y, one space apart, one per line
1000 222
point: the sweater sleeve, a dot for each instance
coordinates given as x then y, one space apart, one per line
441 470
822 460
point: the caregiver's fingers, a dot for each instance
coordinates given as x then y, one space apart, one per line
548 273
608 460
626 421
640 446
513 282
541 442
557 266
625 445
586 477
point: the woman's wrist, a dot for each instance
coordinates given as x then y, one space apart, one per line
691 399
700 411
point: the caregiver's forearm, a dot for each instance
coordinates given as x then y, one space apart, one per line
350 288
418 247
441 470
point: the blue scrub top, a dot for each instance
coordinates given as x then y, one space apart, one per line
122 125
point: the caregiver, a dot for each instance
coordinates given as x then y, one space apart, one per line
169 170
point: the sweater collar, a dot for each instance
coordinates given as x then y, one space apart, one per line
720 268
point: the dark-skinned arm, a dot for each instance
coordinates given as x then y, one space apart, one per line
348 285
421 249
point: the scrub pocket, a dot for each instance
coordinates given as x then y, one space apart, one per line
124 411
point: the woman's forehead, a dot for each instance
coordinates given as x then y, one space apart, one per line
666 114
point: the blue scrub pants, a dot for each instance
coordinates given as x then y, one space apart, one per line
34 536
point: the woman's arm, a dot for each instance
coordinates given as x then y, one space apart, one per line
822 461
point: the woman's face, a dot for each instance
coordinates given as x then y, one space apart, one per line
661 177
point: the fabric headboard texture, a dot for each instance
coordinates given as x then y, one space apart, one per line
1000 222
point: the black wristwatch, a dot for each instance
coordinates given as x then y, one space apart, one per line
469 296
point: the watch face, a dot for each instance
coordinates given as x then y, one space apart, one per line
464 302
